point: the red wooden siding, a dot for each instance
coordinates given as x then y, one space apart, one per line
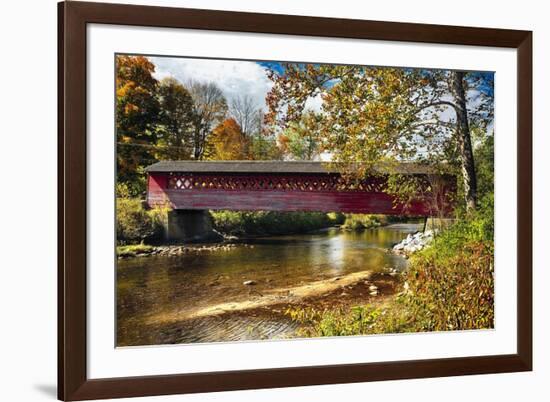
281 192
156 187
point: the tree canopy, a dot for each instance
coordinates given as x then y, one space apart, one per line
301 138
137 109
374 114
227 142
177 120
210 109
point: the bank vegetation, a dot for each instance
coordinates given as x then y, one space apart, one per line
447 286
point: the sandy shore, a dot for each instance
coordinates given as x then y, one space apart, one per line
285 295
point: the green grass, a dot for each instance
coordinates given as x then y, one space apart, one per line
133 250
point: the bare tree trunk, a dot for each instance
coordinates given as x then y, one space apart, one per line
197 150
198 144
464 141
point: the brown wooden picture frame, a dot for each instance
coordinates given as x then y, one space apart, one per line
73 382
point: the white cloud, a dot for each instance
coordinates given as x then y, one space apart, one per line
314 103
235 78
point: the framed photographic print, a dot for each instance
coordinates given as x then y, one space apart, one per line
252 200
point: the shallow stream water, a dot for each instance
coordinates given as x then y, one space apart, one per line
153 290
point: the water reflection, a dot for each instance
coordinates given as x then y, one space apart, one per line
336 252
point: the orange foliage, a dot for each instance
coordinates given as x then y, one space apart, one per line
227 142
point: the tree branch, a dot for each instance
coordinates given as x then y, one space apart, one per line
437 103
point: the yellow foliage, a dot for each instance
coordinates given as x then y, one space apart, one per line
227 142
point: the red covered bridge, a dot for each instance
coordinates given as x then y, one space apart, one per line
287 186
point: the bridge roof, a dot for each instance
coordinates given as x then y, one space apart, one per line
272 167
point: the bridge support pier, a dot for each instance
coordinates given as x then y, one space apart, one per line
191 226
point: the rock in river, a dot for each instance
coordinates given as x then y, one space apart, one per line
249 283
414 243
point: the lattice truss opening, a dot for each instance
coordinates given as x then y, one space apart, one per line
312 183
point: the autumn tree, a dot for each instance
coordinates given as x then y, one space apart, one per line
227 142
177 121
137 110
373 114
301 138
210 108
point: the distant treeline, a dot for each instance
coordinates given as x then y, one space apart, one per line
170 120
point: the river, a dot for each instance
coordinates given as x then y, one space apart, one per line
173 299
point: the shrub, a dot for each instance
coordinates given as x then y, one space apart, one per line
449 292
363 221
268 222
159 221
135 224
337 322
357 320
451 284
336 218
228 222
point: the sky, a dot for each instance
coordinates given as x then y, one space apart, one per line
236 78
